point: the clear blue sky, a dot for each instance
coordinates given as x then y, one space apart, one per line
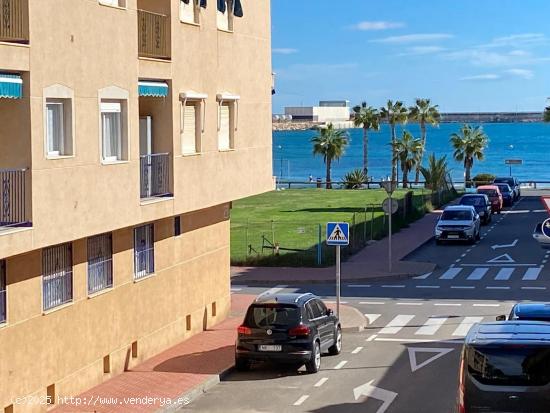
466 55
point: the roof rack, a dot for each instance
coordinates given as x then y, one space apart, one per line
301 296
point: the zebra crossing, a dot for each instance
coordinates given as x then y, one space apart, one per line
423 326
485 273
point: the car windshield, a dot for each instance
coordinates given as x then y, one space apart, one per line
513 366
272 315
509 181
456 215
504 188
472 200
488 192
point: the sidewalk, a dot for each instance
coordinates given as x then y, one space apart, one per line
368 264
183 372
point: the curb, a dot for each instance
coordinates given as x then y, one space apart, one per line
356 329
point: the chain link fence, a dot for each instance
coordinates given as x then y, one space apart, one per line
289 243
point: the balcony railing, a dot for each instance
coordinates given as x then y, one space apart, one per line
155 175
13 198
13 21
154 35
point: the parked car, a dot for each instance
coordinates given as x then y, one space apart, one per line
505 367
528 311
508 195
287 328
458 223
542 239
512 182
494 195
481 204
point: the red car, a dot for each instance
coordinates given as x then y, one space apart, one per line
494 195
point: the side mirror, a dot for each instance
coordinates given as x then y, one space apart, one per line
501 318
330 312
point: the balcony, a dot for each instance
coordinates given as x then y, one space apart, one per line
13 202
14 21
155 176
154 35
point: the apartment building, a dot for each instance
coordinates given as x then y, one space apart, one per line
127 128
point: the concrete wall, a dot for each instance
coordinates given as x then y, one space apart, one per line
319 113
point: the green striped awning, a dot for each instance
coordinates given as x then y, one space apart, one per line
11 86
153 89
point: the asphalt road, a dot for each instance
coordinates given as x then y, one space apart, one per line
407 359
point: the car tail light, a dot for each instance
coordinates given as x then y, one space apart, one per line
461 407
301 330
245 331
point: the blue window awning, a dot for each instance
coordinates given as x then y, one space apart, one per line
11 86
153 89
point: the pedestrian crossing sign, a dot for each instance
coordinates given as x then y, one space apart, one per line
337 233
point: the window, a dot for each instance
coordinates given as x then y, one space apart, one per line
228 118
225 15
111 131
57 276
58 121
272 315
114 3
189 130
144 251
100 263
3 300
189 11
177 226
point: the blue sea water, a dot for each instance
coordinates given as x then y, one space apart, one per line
293 158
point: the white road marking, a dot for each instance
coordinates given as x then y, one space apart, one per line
372 317
274 290
450 273
463 255
340 365
372 337
234 290
439 352
357 350
533 288
427 286
418 340
334 302
538 210
359 285
486 305
423 277
301 400
499 265
393 286
372 302
463 287
513 244
497 288
504 274
447 304
431 326
409 303
531 274
321 382
465 326
395 325
502 259
372 392
478 273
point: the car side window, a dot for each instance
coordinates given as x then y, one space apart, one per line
315 309
309 311
322 307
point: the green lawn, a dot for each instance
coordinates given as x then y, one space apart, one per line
294 220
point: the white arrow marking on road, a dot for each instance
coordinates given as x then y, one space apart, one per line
368 390
504 258
440 352
513 244
372 317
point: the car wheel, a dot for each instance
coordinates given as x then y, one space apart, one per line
242 364
313 365
336 348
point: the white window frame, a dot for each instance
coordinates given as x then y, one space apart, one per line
55 274
100 263
224 21
119 4
232 102
108 98
112 110
199 101
64 96
196 13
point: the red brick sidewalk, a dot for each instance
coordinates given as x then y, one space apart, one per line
192 364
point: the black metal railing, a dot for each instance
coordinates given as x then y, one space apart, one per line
13 198
13 21
155 175
154 35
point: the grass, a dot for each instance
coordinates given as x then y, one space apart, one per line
293 221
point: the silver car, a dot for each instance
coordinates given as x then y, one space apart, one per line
542 239
458 223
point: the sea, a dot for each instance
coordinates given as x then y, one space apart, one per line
293 158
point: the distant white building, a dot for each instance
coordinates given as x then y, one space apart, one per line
327 111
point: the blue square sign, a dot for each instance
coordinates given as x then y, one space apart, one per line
337 233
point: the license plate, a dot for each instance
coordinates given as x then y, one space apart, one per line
452 236
264 347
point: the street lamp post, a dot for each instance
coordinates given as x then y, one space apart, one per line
389 186
281 161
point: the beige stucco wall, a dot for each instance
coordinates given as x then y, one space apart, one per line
87 47
66 347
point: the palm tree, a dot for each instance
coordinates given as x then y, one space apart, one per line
469 144
330 144
435 175
367 118
425 114
408 151
395 114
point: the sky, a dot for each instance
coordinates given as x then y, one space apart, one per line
466 55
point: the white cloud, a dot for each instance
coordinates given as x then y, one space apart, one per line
480 57
377 25
517 40
284 50
422 50
414 38
523 73
487 76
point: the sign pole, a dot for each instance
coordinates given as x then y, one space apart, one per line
338 280
389 236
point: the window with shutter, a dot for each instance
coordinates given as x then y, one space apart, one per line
189 129
224 134
54 128
189 11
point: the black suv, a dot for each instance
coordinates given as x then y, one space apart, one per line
513 183
287 328
481 204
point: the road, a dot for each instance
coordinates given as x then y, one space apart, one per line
407 359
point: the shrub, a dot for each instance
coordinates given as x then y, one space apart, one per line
483 179
355 179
